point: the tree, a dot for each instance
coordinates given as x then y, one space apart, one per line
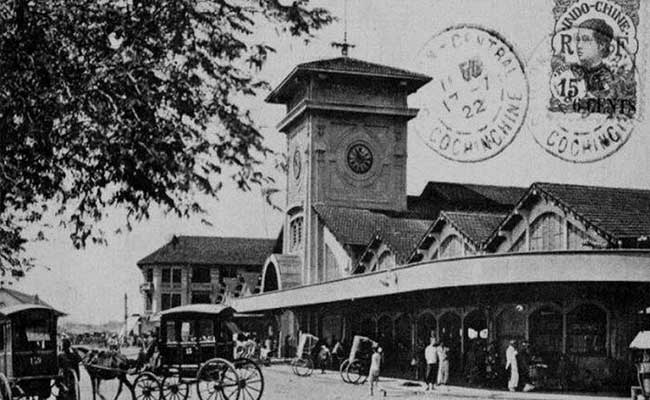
128 104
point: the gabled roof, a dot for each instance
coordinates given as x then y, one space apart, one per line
210 250
355 226
351 67
616 213
6 311
468 196
475 226
620 212
24 297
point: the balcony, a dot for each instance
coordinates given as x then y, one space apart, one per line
146 287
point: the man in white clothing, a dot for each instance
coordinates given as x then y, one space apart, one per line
511 362
431 357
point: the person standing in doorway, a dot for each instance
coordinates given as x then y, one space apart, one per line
443 363
375 367
511 363
431 358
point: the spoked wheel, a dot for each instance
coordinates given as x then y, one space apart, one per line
67 387
173 388
146 387
217 379
343 370
355 373
5 390
251 380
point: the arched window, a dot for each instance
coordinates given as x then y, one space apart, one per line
386 261
546 233
587 330
451 247
295 233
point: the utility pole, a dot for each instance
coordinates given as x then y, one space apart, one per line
126 309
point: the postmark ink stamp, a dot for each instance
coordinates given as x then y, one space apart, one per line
584 106
477 100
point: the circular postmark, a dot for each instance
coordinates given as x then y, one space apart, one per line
584 81
477 100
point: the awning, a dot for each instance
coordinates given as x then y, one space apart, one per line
641 341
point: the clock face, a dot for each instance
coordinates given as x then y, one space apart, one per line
297 164
360 158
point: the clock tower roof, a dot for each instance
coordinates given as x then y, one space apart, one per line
346 66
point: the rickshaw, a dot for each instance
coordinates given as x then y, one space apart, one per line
196 348
355 368
303 364
29 363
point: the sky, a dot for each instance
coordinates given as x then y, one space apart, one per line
90 284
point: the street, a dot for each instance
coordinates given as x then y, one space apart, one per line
281 384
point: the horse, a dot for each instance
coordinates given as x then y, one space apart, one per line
107 365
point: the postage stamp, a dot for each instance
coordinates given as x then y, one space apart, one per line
584 105
478 98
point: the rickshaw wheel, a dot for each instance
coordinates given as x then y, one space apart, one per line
217 379
343 370
302 366
251 380
5 390
67 388
146 387
173 388
355 374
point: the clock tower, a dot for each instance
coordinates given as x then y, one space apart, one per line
346 126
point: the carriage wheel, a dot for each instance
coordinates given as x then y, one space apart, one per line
5 390
217 379
302 366
343 370
251 380
67 387
355 373
146 387
173 388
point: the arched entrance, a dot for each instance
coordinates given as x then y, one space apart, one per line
288 335
366 328
510 325
450 330
475 334
426 327
385 335
270 278
403 341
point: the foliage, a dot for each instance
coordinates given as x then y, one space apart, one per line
126 104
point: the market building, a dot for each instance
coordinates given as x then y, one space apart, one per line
202 269
561 266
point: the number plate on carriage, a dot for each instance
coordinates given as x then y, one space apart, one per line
189 350
35 361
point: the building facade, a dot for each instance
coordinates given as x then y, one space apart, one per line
199 269
564 267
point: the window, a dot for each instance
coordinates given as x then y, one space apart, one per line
295 233
200 297
546 233
149 275
176 275
587 330
201 275
171 275
577 238
166 275
545 330
170 300
228 272
452 246
170 332
148 302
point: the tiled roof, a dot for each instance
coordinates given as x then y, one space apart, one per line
476 226
24 298
619 212
354 65
354 226
468 196
210 250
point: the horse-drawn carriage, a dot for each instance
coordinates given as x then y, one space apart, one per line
196 348
29 363
355 368
303 364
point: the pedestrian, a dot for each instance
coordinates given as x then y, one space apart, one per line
323 357
375 367
69 357
511 362
443 363
431 357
